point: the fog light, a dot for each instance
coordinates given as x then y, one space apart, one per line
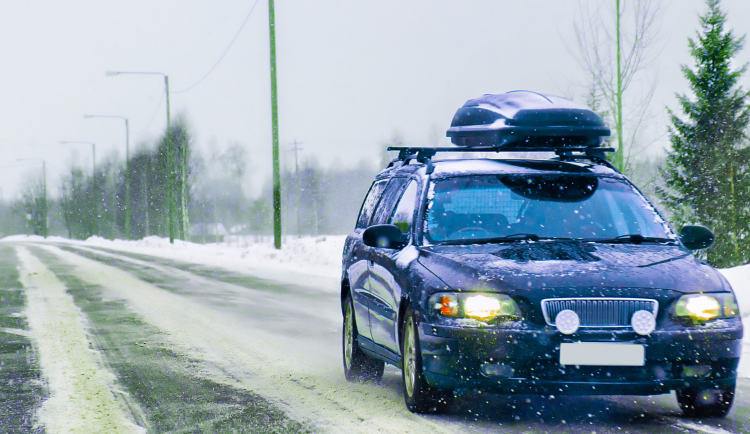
567 322
643 322
697 371
498 370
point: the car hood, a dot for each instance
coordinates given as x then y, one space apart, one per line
520 267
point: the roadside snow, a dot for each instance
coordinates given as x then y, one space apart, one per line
739 278
318 256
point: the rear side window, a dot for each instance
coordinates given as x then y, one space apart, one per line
373 196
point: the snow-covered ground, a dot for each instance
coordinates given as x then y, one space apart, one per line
318 256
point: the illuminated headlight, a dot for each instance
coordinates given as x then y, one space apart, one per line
700 308
482 306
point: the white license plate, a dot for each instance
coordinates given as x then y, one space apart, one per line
602 354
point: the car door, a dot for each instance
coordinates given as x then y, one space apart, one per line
383 281
357 266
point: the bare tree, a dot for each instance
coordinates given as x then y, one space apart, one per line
617 41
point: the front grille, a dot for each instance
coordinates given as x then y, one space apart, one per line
599 312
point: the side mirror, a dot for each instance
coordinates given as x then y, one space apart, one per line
696 237
384 236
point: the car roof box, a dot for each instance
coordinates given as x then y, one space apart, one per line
525 120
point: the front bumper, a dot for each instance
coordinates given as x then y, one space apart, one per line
453 358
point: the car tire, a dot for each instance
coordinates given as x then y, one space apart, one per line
419 396
706 402
357 365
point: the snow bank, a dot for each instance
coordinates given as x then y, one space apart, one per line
739 278
319 256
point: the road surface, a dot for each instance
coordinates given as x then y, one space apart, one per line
97 340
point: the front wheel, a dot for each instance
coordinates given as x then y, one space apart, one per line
706 403
357 365
419 396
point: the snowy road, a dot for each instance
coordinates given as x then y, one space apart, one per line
187 347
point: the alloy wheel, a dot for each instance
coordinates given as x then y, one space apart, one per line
348 337
410 371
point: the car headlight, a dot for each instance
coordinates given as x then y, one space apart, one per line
700 308
482 306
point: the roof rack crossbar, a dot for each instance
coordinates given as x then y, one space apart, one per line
410 150
569 153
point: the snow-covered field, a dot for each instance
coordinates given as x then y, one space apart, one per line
317 256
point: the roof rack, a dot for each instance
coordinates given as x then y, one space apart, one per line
568 153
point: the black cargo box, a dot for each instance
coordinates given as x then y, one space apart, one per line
523 120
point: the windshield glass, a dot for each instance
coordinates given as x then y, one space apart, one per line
549 206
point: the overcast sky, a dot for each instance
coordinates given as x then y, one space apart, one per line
349 72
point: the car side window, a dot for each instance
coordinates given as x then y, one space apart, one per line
403 215
368 206
391 195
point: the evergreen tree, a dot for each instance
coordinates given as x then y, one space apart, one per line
707 172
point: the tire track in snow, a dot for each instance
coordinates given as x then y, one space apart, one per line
285 370
21 387
81 398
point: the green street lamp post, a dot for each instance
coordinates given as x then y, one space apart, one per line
127 169
274 130
44 192
170 159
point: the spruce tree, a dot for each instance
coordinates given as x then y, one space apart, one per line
707 172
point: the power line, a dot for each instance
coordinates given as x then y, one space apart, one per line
152 117
225 51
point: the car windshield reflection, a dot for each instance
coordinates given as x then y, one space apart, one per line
502 208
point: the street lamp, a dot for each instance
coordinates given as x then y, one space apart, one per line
44 192
93 178
127 168
170 158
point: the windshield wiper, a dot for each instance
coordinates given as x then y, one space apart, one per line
631 239
506 239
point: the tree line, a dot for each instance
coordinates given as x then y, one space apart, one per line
315 200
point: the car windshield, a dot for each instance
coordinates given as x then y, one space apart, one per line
522 207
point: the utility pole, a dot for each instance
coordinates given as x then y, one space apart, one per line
170 157
185 228
146 180
295 148
44 200
170 170
620 154
275 131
